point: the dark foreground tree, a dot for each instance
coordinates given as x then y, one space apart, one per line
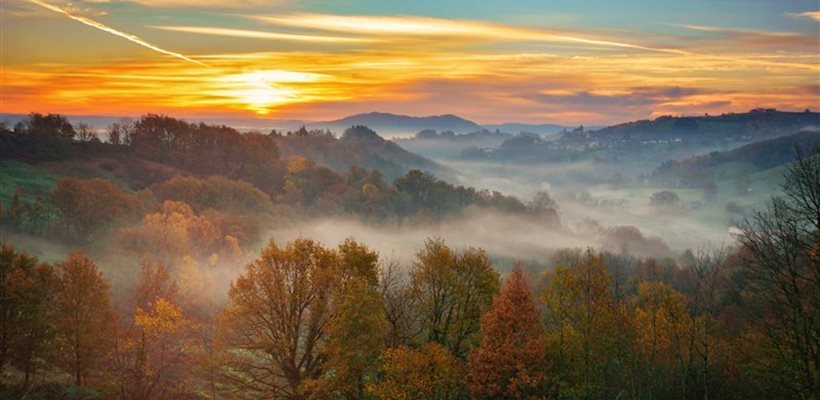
83 316
781 246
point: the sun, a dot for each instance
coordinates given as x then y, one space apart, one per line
262 91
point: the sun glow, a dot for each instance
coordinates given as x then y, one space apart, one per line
261 91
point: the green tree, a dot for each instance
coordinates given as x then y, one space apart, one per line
355 340
452 290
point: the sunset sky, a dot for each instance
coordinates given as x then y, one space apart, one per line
539 61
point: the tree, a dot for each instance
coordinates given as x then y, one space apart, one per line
83 316
160 346
586 329
357 261
87 205
50 125
278 318
152 359
510 362
25 297
664 198
781 248
427 373
452 290
119 133
85 133
663 331
173 232
355 340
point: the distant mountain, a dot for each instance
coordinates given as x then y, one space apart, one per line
732 164
399 125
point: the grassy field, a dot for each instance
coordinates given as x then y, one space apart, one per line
32 178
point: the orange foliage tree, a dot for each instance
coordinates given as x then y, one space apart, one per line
510 362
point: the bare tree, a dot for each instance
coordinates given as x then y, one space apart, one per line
85 132
782 264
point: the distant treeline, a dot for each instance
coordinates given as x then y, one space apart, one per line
306 321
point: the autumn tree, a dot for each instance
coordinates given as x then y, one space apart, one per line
87 205
152 355
25 314
427 373
510 361
278 319
161 362
173 232
663 331
83 316
452 290
586 329
355 339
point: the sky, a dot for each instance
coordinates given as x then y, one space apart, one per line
535 61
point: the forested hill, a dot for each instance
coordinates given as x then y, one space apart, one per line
753 125
751 158
357 146
159 158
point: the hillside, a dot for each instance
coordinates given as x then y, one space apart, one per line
753 125
358 146
736 163
650 142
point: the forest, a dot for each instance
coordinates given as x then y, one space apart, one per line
142 266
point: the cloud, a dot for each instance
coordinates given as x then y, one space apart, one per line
812 15
251 34
746 39
106 28
208 4
439 27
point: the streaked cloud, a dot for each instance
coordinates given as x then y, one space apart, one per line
813 15
108 29
426 26
252 34
745 38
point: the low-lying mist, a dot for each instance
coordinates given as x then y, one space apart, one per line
691 225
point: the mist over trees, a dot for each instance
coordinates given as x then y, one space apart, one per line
170 297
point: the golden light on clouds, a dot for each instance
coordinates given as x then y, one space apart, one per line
261 91
326 66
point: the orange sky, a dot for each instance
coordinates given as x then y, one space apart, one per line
193 59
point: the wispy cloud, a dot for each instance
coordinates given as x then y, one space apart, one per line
106 28
814 15
252 34
748 38
426 26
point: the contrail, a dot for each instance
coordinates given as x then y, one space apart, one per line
113 31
